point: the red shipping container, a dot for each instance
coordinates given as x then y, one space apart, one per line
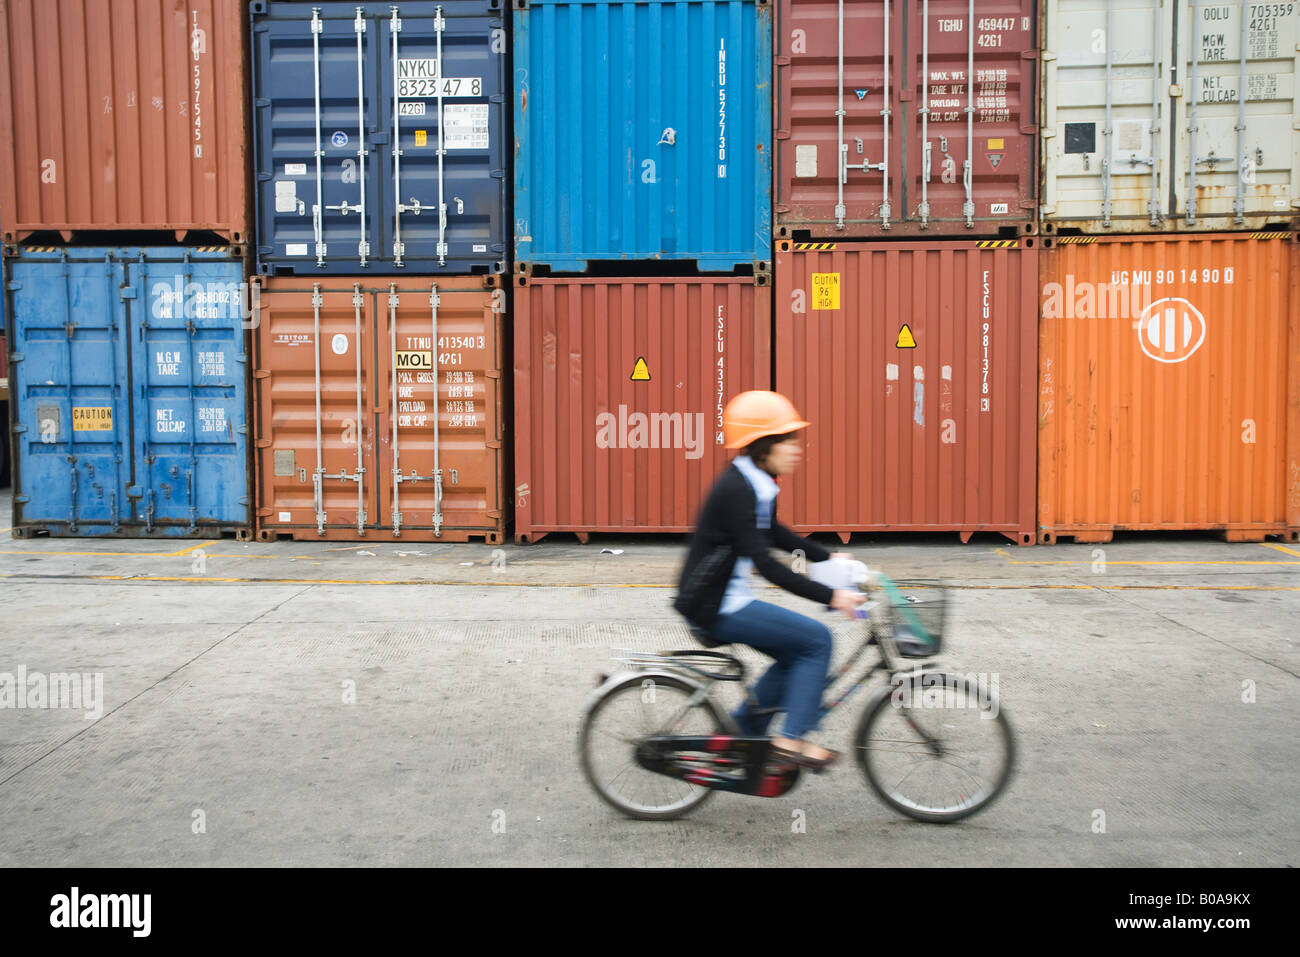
888 166
619 390
915 364
123 114
365 430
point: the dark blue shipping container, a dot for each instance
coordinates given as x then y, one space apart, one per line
130 389
335 86
643 130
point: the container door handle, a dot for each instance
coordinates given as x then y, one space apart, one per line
886 210
968 207
438 25
924 209
434 302
398 208
318 211
357 302
397 458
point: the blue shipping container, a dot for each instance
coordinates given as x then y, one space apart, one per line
129 382
643 130
335 86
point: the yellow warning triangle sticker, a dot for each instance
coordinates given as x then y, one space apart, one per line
905 340
642 372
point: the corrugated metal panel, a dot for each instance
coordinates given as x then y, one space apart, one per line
350 393
130 391
914 362
643 130
1169 382
128 114
1185 152
619 390
381 210
906 171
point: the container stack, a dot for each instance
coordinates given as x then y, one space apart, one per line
907 262
123 193
380 147
1169 389
642 291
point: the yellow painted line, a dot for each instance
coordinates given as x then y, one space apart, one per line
1109 562
1280 548
193 548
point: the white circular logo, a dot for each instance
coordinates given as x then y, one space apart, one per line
339 139
1171 330
339 344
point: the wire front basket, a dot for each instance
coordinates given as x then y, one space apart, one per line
918 616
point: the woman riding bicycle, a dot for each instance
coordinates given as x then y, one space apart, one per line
735 534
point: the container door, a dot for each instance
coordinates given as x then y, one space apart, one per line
316 407
1239 155
966 70
438 431
1104 146
437 89
188 365
72 388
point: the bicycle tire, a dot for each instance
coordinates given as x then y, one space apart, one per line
694 794
870 742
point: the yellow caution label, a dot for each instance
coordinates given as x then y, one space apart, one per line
905 338
641 371
92 419
826 290
996 144
414 360
421 137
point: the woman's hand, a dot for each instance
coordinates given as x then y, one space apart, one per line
846 601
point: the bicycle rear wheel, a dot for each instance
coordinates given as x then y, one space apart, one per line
935 747
639 707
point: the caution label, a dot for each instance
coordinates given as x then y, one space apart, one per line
92 419
421 137
414 360
905 338
826 290
640 372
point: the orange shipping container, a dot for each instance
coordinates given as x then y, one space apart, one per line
123 114
366 431
619 390
914 362
1169 386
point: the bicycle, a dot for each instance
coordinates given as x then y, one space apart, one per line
685 746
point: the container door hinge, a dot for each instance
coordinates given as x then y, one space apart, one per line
127 292
263 443
262 374
781 135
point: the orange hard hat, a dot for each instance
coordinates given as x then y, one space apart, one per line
752 415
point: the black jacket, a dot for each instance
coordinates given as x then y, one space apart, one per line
728 529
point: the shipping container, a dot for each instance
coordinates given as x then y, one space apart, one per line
1170 115
123 115
906 119
619 390
914 362
379 409
643 130
1169 388
129 378
379 137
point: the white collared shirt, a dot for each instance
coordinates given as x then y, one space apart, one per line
738 593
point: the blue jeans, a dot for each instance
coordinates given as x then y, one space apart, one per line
802 649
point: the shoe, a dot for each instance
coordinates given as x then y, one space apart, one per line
815 765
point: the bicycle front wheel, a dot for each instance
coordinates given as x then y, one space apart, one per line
936 747
639 707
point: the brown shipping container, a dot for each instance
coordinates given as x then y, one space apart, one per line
421 410
914 362
123 114
905 171
1169 392
619 390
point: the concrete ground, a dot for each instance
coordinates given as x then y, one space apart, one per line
1155 694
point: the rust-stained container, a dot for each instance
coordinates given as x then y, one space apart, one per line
1169 386
914 362
124 115
890 167
366 431
619 390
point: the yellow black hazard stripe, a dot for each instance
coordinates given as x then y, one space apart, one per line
1076 240
1272 235
998 244
813 247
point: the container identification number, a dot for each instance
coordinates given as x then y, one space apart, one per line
427 89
